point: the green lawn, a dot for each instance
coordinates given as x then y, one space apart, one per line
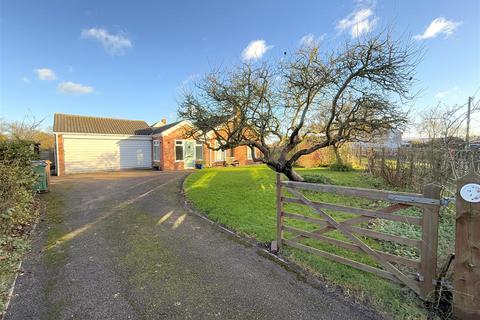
244 199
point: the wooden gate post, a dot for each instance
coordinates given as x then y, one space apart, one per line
279 211
428 254
466 273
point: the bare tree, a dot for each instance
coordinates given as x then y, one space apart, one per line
325 98
25 129
445 124
28 129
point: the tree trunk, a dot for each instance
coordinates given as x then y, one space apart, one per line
291 174
286 170
338 157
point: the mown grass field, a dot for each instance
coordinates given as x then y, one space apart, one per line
243 199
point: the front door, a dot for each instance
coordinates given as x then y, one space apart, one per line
189 154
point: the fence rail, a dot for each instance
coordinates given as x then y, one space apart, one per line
413 167
353 230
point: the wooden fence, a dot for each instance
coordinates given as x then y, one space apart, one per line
413 167
466 274
390 265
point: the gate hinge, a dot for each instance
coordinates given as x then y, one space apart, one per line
446 201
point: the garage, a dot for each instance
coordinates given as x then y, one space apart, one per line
91 144
103 153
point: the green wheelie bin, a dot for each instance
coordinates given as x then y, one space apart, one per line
42 169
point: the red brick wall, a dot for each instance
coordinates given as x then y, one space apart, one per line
167 153
60 156
240 153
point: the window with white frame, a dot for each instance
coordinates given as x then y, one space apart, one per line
179 150
156 150
198 151
249 152
219 154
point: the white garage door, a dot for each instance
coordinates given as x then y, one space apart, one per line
100 153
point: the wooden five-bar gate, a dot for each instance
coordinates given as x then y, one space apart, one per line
423 281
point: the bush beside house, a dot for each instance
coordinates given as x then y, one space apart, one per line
18 208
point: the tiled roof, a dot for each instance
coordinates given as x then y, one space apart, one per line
156 130
84 124
165 127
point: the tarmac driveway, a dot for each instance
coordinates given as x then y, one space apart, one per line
120 246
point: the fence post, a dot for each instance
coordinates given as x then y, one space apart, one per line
398 165
383 160
428 254
279 211
412 166
371 160
466 273
359 153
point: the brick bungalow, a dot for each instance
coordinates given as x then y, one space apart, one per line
89 144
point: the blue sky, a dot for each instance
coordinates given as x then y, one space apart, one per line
130 59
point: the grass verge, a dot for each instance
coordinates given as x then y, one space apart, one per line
244 199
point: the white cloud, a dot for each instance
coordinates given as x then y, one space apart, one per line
74 88
310 39
255 50
114 44
45 74
441 95
26 80
438 26
358 22
452 93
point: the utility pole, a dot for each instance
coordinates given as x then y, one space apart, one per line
467 135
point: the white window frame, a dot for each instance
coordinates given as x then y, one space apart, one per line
156 155
198 144
183 146
249 153
216 152
175 149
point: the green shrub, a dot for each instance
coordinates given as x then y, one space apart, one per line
18 151
340 167
17 185
18 208
317 178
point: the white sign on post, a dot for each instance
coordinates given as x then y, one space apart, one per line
470 192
